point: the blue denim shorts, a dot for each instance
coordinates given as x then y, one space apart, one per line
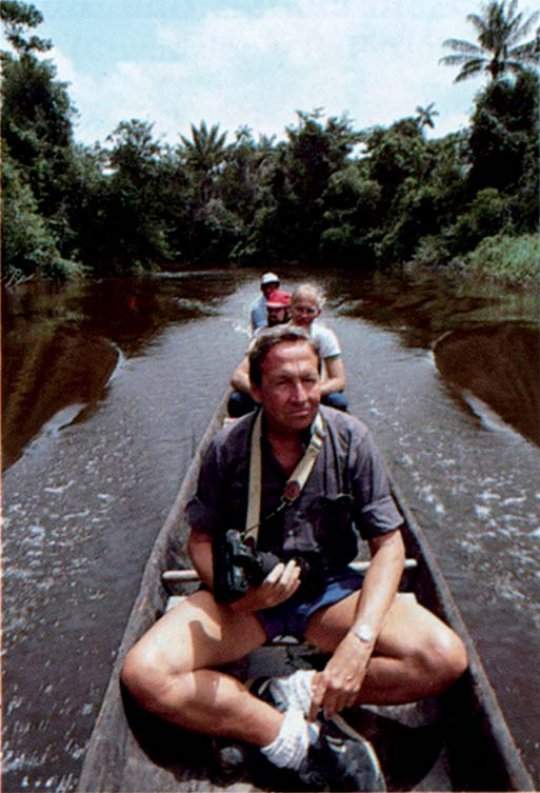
291 617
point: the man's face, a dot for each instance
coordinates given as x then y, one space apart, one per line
267 289
290 387
276 316
304 310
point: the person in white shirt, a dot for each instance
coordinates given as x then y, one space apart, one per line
258 315
306 306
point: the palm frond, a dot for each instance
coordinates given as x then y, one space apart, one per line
477 22
529 53
458 60
520 31
462 46
471 69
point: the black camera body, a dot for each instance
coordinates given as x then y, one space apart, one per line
238 566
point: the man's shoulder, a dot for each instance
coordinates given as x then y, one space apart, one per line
344 422
234 432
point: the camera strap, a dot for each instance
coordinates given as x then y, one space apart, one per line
295 482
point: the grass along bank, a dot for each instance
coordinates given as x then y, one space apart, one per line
505 259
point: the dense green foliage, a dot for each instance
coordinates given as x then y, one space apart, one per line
327 194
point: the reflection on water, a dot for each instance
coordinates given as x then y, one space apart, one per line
423 307
64 368
486 339
61 345
499 366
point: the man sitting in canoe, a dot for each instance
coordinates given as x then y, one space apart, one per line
384 648
258 311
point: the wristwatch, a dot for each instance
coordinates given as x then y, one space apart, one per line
364 633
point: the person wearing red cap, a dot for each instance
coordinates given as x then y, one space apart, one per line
277 307
258 316
240 400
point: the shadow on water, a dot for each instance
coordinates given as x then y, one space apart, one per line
61 345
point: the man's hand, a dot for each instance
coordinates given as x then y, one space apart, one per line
338 685
280 583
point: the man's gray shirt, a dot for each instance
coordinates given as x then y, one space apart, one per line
347 487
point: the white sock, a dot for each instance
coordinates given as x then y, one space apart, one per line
294 689
292 742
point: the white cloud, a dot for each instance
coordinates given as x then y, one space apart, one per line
376 61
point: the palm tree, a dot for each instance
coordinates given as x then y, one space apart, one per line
425 116
500 29
205 154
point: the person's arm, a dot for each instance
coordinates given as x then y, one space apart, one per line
334 378
240 377
338 685
381 581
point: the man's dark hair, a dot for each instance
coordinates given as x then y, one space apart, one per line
268 338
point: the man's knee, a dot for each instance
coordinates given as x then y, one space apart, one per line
444 658
143 675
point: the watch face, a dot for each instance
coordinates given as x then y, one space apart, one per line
364 633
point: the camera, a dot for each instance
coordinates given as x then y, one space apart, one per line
238 566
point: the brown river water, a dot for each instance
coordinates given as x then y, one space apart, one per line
107 388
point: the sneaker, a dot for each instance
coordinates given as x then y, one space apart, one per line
340 760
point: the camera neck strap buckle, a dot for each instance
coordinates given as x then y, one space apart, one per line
294 484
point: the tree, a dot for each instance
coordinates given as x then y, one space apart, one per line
205 154
503 145
27 244
500 31
426 115
37 133
135 218
16 18
313 153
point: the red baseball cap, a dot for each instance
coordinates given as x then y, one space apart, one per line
279 298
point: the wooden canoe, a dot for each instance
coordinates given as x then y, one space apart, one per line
459 741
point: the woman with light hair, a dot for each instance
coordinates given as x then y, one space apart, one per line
306 305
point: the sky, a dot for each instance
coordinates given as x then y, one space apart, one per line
255 63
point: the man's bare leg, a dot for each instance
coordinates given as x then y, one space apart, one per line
170 672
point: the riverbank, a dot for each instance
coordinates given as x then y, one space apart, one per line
502 259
